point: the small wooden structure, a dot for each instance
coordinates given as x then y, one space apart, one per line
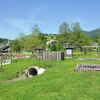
69 50
41 55
38 49
38 52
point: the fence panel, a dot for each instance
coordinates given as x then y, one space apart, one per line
50 55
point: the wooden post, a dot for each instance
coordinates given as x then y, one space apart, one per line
1 66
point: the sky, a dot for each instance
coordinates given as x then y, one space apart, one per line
20 16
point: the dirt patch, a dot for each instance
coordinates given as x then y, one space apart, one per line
22 77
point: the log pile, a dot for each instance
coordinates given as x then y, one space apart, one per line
87 67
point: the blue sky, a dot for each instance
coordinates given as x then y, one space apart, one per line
18 16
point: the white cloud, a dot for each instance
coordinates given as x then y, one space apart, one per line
15 25
11 27
23 25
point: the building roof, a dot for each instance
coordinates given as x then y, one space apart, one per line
4 48
38 48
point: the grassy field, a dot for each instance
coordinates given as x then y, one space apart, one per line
59 82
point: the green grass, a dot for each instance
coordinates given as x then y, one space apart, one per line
59 82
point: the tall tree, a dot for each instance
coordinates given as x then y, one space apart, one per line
36 30
21 38
31 42
96 39
16 45
39 35
76 33
64 30
79 38
64 35
21 35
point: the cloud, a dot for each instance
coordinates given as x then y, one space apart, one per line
23 25
16 24
11 27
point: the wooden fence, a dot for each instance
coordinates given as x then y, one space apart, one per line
49 55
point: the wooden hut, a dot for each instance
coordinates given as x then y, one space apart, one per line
41 55
69 50
38 52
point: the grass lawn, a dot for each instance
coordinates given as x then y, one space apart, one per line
59 82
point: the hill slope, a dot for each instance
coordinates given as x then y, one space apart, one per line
93 32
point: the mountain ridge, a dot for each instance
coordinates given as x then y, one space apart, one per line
93 33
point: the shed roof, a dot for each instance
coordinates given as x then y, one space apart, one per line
4 48
38 48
